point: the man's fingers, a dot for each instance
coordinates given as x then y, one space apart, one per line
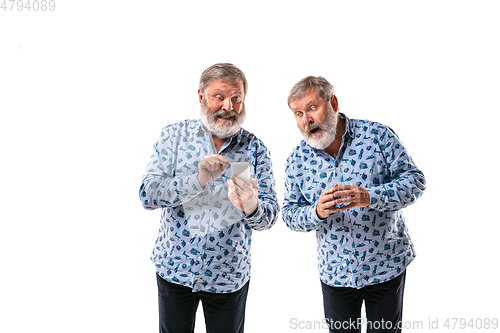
210 164
223 161
215 162
326 197
239 197
330 207
343 193
346 207
255 183
328 191
350 195
344 200
328 201
214 165
341 187
233 188
325 209
240 203
241 184
240 188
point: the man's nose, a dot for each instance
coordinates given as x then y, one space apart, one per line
228 105
306 120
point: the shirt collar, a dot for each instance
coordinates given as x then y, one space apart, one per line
348 126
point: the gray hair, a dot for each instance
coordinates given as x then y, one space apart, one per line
223 72
317 83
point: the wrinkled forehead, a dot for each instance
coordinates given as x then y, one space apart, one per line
235 87
306 99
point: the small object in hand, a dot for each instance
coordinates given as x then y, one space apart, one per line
242 171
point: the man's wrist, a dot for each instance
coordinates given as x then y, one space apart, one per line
201 181
253 211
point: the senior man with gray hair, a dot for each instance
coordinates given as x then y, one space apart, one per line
348 181
202 252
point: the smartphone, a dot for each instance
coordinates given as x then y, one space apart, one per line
242 171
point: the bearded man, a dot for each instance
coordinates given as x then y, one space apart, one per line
202 252
348 181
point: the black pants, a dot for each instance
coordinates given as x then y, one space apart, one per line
224 313
383 303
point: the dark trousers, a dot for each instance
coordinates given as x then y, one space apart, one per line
224 313
383 303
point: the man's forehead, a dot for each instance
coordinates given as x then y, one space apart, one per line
306 100
235 87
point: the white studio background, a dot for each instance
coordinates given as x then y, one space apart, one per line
85 90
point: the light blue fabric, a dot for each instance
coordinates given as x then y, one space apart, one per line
359 246
204 241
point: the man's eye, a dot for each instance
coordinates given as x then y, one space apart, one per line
219 97
312 108
298 114
236 99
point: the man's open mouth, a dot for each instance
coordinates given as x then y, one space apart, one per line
314 130
225 115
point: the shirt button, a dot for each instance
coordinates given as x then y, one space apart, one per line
348 235
199 258
337 168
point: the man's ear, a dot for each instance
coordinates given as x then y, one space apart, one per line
335 103
200 96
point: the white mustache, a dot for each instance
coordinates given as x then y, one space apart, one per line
312 126
222 113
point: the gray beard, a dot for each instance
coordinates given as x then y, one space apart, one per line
225 130
328 131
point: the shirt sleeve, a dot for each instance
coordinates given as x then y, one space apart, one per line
268 207
406 182
298 213
160 187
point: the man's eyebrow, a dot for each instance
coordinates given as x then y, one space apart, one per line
218 91
306 105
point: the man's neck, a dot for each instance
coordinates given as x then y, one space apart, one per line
218 142
334 147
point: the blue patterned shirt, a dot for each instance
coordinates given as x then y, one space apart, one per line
359 246
204 242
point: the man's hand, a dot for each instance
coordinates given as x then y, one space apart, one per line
244 197
352 195
211 167
326 204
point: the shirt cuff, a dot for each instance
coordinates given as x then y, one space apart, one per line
256 216
313 217
376 202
